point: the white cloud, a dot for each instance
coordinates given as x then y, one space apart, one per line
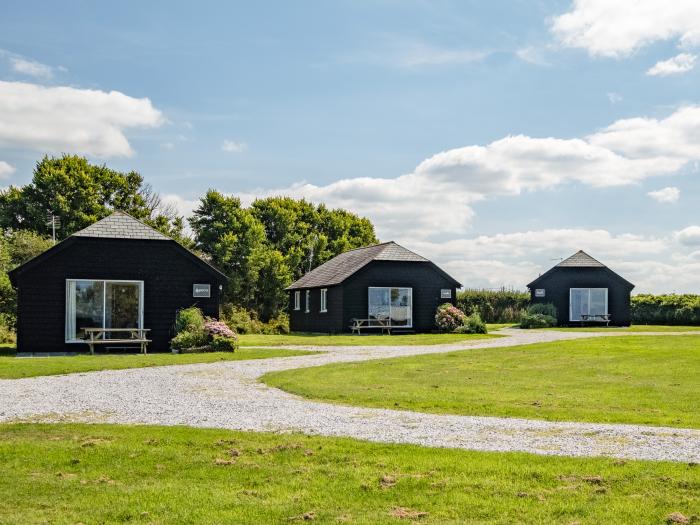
411 53
31 67
668 194
617 28
679 64
5 169
67 119
532 55
231 146
689 236
184 207
614 98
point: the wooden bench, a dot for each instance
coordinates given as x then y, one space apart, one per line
131 336
597 318
356 325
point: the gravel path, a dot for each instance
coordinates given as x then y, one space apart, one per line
228 395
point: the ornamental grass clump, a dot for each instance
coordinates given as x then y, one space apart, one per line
196 333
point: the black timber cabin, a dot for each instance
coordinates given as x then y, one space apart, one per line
582 288
116 273
381 282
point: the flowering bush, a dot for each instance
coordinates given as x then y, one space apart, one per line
448 317
218 328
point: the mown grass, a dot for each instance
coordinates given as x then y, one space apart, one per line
629 329
650 380
356 340
17 367
68 474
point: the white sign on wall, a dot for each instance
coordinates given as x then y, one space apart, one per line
445 293
201 290
539 292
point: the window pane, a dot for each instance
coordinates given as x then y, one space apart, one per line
400 306
579 303
122 306
598 300
88 306
379 303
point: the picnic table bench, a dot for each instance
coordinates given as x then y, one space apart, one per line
597 318
98 336
356 325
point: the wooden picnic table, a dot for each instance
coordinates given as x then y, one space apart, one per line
600 318
98 336
356 325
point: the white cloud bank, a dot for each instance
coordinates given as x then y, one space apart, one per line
31 67
617 28
677 65
667 195
5 169
231 146
58 119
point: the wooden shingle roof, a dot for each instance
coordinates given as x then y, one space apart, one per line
342 266
581 260
120 225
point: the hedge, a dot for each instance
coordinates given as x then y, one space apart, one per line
671 309
494 306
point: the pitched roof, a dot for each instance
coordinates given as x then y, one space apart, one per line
120 225
581 260
342 266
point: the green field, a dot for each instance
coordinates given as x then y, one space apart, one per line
650 380
69 474
16 367
356 340
629 329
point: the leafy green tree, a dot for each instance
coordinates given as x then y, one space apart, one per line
273 277
80 193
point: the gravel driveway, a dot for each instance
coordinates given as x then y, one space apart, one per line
228 395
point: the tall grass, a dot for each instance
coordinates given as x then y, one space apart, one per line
494 306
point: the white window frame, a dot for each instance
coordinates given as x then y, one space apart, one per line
297 300
307 308
369 288
104 305
571 293
324 300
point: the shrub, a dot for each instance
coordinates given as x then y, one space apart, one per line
243 321
448 317
537 321
190 341
218 329
472 325
189 320
543 308
7 334
224 344
494 306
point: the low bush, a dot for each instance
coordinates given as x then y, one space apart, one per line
537 321
494 306
246 322
670 309
7 333
196 333
472 325
543 308
448 317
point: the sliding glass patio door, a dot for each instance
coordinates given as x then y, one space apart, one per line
587 302
391 304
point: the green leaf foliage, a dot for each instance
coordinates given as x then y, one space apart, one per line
670 309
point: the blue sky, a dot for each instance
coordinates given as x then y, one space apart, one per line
557 119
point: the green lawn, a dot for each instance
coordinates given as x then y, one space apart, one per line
68 474
16 367
628 329
651 380
356 340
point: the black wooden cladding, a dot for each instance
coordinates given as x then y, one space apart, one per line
349 299
167 270
557 284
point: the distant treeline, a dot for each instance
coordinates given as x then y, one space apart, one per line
672 309
494 306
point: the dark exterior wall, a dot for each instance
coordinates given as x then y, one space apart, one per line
423 277
317 321
168 275
558 282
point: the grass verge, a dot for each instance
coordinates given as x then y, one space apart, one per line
17 367
649 380
356 340
67 474
629 329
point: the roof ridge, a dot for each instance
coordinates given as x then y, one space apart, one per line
105 227
365 247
